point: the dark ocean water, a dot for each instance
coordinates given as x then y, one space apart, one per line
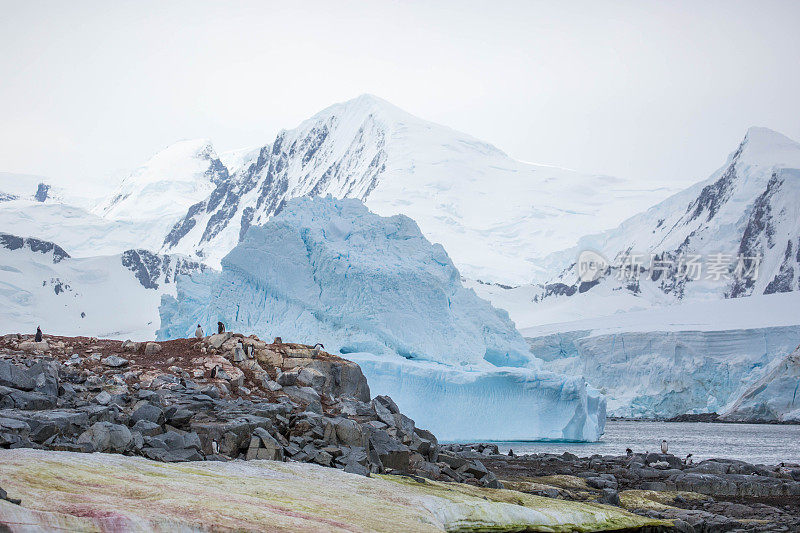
754 443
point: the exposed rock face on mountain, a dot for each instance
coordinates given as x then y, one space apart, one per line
150 268
741 226
14 242
42 285
220 397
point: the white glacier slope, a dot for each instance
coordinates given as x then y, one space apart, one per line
374 289
80 232
14 186
723 356
159 192
115 296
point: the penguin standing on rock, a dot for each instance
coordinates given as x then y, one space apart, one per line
220 327
664 446
198 333
38 337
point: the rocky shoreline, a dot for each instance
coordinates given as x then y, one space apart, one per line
222 397
228 396
278 423
714 495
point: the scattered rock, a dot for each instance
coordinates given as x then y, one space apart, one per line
152 348
114 361
148 412
4 496
104 398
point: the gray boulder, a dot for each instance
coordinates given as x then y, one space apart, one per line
387 402
104 398
306 396
147 428
383 413
348 432
25 400
218 339
152 348
114 361
107 437
15 377
390 453
148 412
610 497
311 377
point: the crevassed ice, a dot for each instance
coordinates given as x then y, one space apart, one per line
375 290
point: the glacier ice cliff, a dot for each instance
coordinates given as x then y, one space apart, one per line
774 397
742 374
375 290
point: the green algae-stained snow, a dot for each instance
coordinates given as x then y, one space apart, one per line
100 492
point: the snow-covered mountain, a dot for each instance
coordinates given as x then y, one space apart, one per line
495 216
115 296
159 192
376 291
659 343
750 208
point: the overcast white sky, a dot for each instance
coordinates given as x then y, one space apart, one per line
647 90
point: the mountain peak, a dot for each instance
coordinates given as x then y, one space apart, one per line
182 150
763 146
363 106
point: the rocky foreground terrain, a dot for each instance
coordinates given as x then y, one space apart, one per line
222 397
715 495
232 433
239 400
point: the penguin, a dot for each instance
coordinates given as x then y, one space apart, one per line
38 337
664 446
214 371
198 333
688 459
510 452
628 452
220 327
